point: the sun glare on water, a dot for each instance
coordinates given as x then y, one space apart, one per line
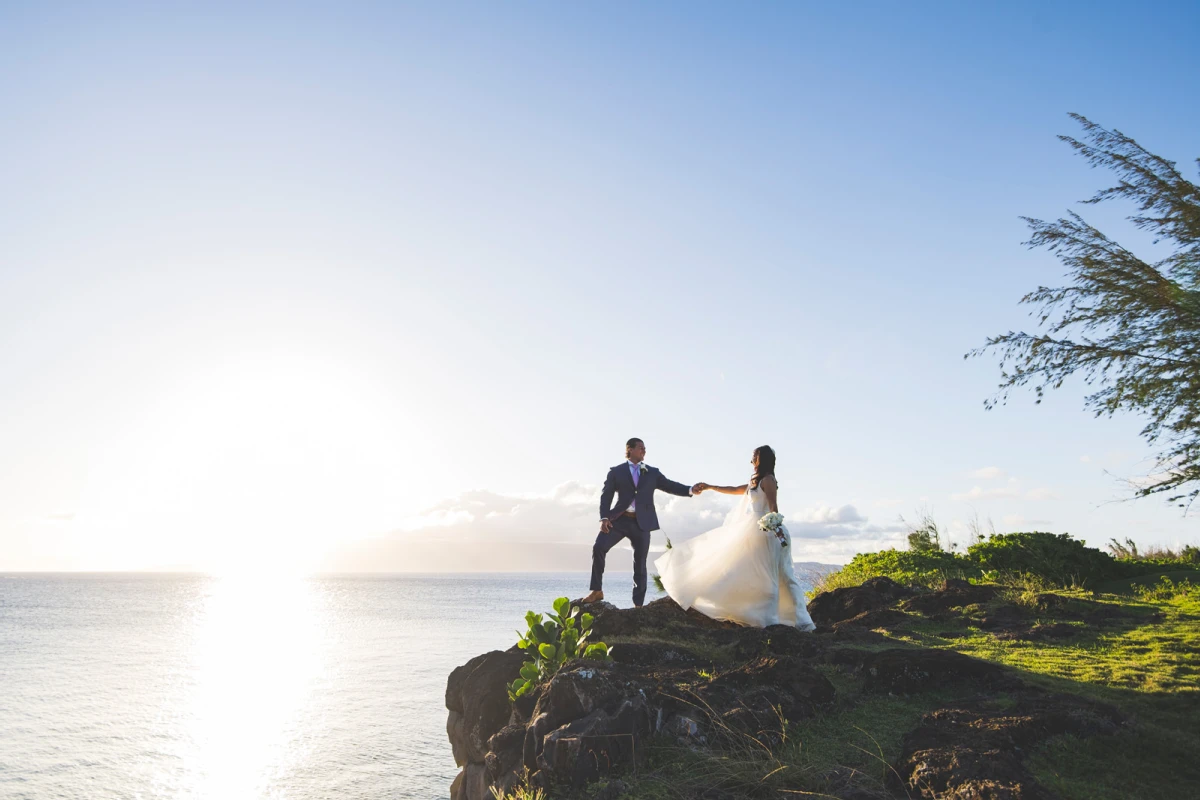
258 655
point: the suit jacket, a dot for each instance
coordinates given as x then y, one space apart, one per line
620 483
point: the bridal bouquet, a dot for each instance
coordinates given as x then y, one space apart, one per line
773 522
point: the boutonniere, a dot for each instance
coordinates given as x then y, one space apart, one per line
642 468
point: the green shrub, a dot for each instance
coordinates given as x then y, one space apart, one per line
552 643
1136 567
1032 559
921 568
1166 589
1162 556
1054 557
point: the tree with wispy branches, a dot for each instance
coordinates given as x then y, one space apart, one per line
1129 328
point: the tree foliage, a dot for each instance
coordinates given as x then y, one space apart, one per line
924 536
1129 327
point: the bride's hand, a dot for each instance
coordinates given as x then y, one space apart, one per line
700 487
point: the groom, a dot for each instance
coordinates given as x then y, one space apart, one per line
633 517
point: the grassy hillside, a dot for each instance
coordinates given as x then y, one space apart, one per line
1127 646
1145 661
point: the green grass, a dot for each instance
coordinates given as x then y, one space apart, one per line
1145 660
1142 652
1147 667
1126 585
857 741
702 647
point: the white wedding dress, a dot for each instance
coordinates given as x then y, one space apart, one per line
738 571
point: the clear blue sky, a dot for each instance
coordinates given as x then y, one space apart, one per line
280 279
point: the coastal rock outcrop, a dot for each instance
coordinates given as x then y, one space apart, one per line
679 679
908 670
477 699
592 717
976 749
829 608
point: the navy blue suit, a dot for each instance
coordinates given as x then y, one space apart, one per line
620 483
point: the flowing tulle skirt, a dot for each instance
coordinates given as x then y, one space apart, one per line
736 572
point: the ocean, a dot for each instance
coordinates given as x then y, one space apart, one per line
149 685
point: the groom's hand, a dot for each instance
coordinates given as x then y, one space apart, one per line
699 487
605 525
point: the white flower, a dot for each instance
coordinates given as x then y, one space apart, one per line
643 468
772 522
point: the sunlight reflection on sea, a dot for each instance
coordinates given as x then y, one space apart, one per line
190 687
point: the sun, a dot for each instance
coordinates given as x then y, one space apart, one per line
258 463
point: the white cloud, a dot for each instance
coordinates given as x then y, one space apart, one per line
1041 493
977 492
1018 522
484 530
842 515
988 473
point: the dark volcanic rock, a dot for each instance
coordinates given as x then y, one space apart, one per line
503 761
974 749
658 617
886 618
969 773
470 783
756 699
954 593
1051 602
906 670
779 640
1044 632
829 608
477 697
594 717
799 690
574 693
588 719
459 676
1004 618
652 655
589 747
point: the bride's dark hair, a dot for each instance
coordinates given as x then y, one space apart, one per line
766 465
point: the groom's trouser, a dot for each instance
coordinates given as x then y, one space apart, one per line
622 528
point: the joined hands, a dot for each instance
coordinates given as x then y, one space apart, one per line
700 487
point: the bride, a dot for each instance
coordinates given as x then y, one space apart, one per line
738 571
